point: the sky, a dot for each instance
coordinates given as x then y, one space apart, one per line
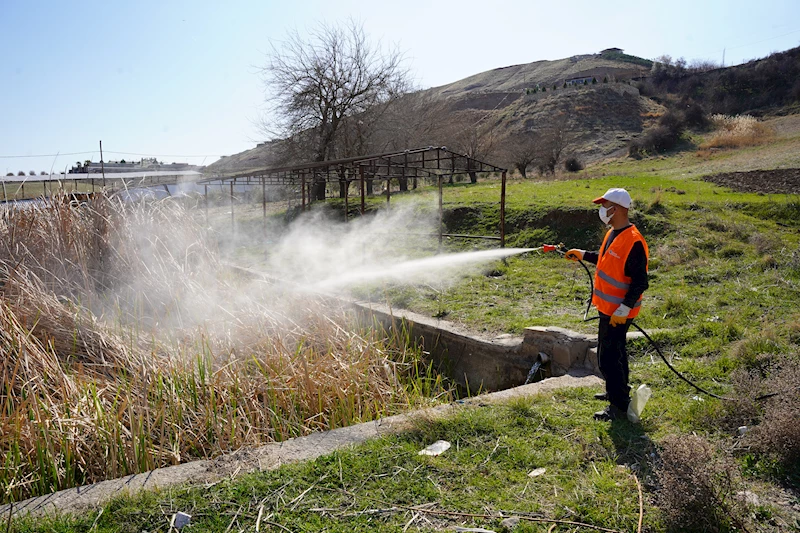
180 81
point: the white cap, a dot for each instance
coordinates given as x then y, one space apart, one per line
617 196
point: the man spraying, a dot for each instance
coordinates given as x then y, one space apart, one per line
619 281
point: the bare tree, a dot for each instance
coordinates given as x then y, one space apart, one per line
314 85
475 139
522 150
554 138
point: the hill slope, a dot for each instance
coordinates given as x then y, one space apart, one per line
505 97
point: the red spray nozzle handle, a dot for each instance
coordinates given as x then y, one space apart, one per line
549 248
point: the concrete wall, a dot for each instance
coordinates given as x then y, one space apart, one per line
477 363
481 363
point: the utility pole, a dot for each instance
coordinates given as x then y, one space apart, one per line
102 166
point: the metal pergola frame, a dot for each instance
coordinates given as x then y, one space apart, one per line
435 163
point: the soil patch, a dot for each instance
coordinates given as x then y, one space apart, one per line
778 181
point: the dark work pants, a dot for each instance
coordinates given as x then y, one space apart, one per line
612 358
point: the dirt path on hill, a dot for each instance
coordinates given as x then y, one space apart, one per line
779 181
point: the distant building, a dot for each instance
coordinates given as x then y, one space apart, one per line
146 163
580 80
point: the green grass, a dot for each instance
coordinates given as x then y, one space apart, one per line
588 479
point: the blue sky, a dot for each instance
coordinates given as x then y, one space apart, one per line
176 78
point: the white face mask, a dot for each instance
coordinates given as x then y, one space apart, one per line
604 214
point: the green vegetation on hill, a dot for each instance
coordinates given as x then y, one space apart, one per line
764 85
626 58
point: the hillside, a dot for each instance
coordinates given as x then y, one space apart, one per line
518 78
602 101
505 97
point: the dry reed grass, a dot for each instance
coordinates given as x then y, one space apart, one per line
94 387
736 132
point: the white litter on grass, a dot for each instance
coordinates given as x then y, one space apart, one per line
474 529
437 448
537 472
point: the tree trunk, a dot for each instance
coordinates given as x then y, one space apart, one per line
342 183
473 177
318 189
403 183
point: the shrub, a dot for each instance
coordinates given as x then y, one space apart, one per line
21 173
778 434
694 116
9 174
656 139
698 487
573 164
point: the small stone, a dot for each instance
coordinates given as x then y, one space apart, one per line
179 520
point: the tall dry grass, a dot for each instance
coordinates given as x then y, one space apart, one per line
123 350
736 132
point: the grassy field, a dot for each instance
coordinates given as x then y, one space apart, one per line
725 301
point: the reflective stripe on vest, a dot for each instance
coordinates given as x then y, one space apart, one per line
611 283
614 299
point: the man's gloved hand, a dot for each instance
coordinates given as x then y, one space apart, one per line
620 315
574 254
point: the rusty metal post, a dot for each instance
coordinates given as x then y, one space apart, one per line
22 188
363 202
441 213
303 192
388 189
264 198
346 195
503 210
102 166
233 222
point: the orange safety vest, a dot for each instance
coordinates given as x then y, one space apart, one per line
610 282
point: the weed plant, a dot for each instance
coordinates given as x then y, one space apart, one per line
736 132
125 347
